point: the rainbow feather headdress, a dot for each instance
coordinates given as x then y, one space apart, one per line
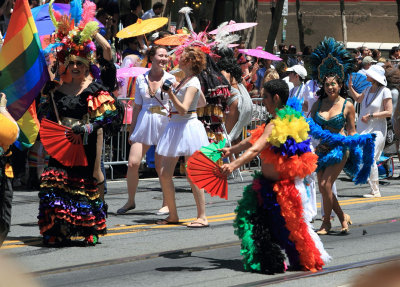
74 42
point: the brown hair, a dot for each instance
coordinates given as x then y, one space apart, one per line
153 50
196 58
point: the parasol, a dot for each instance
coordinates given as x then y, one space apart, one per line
62 144
206 174
42 19
142 27
233 27
260 54
173 40
131 72
212 150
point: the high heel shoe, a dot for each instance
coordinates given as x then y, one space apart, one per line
325 228
347 219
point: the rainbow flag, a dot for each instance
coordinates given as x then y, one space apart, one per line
23 69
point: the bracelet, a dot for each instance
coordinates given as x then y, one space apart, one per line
371 116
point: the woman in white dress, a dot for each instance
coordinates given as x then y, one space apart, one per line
149 119
376 106
184 134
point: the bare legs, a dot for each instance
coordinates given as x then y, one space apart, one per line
326 178
167 167
166 173
136 153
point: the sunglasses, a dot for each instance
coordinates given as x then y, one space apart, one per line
77 63
245 62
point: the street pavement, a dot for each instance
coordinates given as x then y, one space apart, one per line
136 252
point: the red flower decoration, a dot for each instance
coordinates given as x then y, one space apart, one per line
205 49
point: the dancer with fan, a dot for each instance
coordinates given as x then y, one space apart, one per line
270 216
184 134
78 114
376 106
8 135
149 119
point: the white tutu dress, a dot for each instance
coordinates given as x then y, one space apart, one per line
150 124
183 134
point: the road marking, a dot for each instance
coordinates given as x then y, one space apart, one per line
9 244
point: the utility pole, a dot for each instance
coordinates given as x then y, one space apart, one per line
273 29
344 25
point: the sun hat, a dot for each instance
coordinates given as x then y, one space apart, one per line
299 70
377 73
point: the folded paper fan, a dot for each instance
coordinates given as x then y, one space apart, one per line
62 144
207 174
359 82
212 150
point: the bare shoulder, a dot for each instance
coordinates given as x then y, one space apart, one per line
349 109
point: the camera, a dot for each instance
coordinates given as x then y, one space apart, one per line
167 85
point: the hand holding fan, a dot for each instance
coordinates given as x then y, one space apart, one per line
206 174
359 82
62 144
212 150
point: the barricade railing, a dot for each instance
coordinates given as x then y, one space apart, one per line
116 148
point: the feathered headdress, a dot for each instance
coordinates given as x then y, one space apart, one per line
331 57
74 42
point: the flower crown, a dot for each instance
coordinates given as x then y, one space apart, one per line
74 42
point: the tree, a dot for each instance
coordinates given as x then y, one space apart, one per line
273 29
299 16
344 25
398 16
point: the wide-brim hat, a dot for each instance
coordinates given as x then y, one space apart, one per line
377 73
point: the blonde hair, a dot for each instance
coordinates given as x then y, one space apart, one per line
270 74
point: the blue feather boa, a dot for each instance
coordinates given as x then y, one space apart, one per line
361 149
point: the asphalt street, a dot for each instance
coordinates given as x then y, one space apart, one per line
136 252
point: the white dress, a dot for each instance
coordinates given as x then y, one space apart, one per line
183 134
373 103
150 125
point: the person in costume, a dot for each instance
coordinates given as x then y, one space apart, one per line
270 216
184 134
72 197
376 106
332 123
8 135
236 118
149 119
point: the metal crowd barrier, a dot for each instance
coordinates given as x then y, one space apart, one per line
116 148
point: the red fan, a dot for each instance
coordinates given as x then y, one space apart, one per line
62 144
206 174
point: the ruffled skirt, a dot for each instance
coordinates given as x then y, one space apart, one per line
69 206
182 137
149 127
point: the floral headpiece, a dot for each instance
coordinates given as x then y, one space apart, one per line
74 42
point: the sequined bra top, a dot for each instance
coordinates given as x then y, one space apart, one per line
336 122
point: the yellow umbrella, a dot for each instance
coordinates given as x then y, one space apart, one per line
142 27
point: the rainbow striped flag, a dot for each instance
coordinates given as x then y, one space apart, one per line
23 69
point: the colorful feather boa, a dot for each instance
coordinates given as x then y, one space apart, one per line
279 217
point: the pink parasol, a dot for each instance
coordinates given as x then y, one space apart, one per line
260 54
131 72
233 27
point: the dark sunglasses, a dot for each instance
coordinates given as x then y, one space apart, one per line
245 62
